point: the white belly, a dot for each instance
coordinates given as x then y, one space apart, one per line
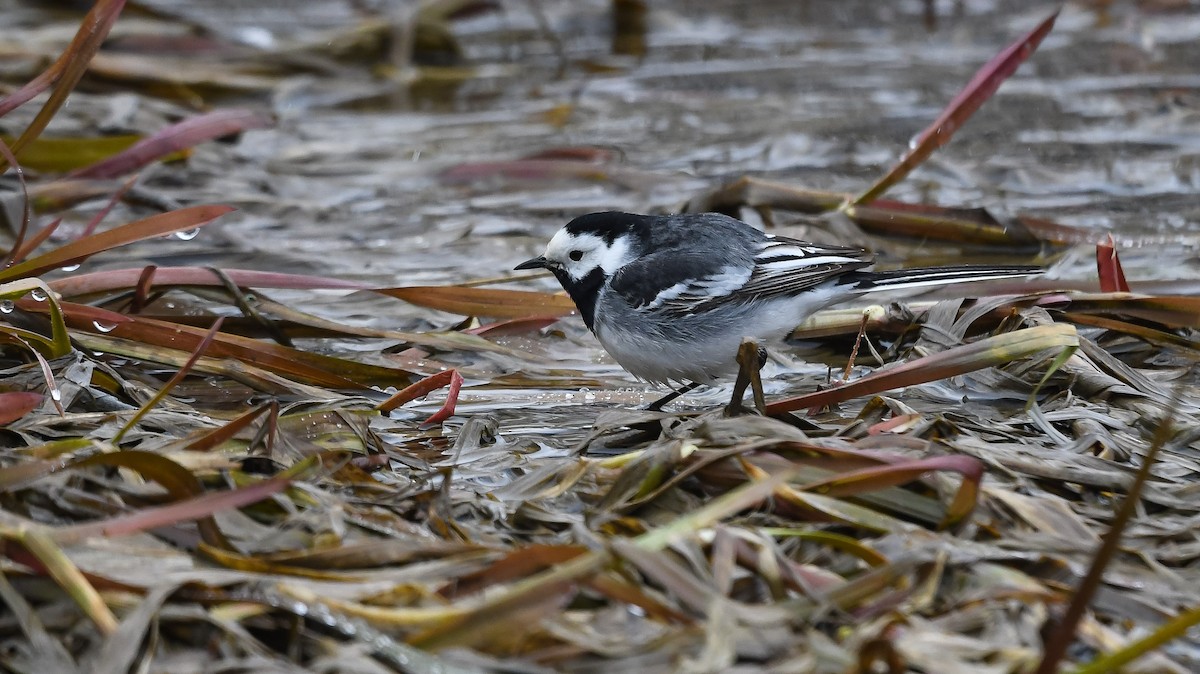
700 348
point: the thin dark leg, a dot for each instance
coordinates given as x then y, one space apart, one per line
657 405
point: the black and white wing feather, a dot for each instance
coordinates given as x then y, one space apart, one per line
684 283
787 266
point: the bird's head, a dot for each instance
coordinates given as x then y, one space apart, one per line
598 242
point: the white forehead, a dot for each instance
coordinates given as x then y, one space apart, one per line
596 251
564 242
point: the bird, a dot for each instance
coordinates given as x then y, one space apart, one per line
672 297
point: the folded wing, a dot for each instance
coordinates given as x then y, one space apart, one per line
684 284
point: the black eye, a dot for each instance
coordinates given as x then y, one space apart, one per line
576 255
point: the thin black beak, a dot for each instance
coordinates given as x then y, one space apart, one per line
539 262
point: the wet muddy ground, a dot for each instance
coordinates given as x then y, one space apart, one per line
376 174
1099 130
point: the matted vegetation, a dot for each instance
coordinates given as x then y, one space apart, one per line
213 489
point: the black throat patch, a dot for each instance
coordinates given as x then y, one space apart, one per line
584 293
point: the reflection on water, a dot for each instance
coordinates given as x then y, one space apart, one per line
1099 130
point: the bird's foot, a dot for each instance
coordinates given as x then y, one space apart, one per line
751 358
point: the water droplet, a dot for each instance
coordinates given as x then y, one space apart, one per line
322 615
187 235
72 267
251 298
103 327
7 306
38 295
56 395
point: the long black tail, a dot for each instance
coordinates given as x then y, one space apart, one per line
871 281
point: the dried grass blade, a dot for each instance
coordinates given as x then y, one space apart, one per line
854 592
16 404
830 539
184 511
119 652
1062 631
514 326
61 154
1176 311
112 202
29 245
59 342
307 367
516 564
23 229
996 350
492 302
67 70
172 382
121 279
823 507
896 474
81 249
665 571
232 559
141 291
1159 337
512 611
1172 629
48 377
975 226
737 500
635 595
448 340
981 87
43 648
1108 268
179 136
220 435
423 387
42 545
447 409
179 482
540 592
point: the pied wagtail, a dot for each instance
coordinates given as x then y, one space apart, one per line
671 297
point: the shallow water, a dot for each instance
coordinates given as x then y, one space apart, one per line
1101 129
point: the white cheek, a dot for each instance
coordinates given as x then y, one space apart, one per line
614 257
578 270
